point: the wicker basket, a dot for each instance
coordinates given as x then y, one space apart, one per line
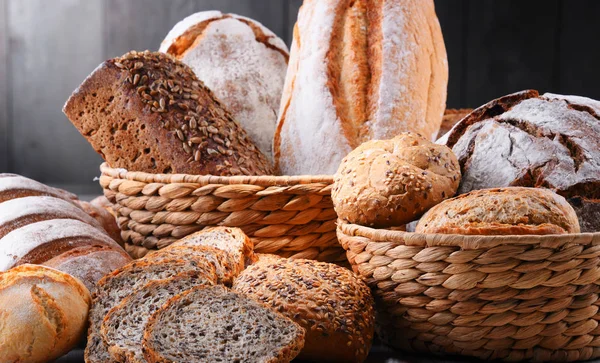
492 297
290 216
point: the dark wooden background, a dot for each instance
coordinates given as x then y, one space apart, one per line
47 47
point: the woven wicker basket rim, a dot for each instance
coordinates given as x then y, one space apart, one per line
262 180
467 242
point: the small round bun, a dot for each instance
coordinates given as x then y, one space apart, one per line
386 183
331 303
43 313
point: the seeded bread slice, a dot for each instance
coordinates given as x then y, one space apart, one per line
231 240
218 325
113 288
225 266
123 327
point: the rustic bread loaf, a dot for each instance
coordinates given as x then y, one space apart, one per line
241 61
148 112
502 211
332 304
113 288
43 313
451 118
385 183
105 218
14 186
123 327
528 140
214 324
359 70
231 240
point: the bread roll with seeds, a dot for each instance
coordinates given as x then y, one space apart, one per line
43 313
331 303
502 211
147 111
388 183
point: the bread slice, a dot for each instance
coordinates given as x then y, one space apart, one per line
219 325
119 284
225 265
123 327
231 240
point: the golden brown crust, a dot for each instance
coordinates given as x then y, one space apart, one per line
105 218
148 112
332 304
387 183
502 211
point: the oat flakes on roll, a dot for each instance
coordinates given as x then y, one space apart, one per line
387 183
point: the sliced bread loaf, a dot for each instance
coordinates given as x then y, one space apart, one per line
219 325
113 288
231 240
123 327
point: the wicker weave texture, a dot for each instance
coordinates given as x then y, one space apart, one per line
289 216
491 297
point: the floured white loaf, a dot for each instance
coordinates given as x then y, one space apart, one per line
359 70
241 61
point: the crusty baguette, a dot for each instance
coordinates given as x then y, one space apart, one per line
148 112
359 70
215 324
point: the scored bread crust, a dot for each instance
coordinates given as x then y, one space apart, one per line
241 61
285 354
502 211
113 324
359 70
147 111
331 303
13 186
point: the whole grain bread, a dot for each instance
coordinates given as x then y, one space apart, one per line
215 324
532 140
330 302
502 211
113 288
123 327
147 111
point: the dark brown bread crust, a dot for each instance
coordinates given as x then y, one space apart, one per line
148 112
525 139
502 211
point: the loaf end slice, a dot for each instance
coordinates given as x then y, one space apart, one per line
123 327
216 324
147 111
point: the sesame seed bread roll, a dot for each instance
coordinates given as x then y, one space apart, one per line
147 111
359 70
241 61
502 211
331 303
389 183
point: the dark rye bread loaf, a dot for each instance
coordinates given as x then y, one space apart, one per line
148 112
214 324
524 139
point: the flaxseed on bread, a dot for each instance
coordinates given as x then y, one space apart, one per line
113 288
219 325
147 111
123 327
502 211
331 303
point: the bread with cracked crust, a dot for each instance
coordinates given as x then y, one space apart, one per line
502 211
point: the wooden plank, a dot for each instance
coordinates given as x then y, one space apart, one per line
4 85
54 45
451 14
577 68
506 50
142 24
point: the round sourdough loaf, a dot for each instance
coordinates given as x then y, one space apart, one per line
387 183
333 305
241 61
531 140
502 211
359 70
43 313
